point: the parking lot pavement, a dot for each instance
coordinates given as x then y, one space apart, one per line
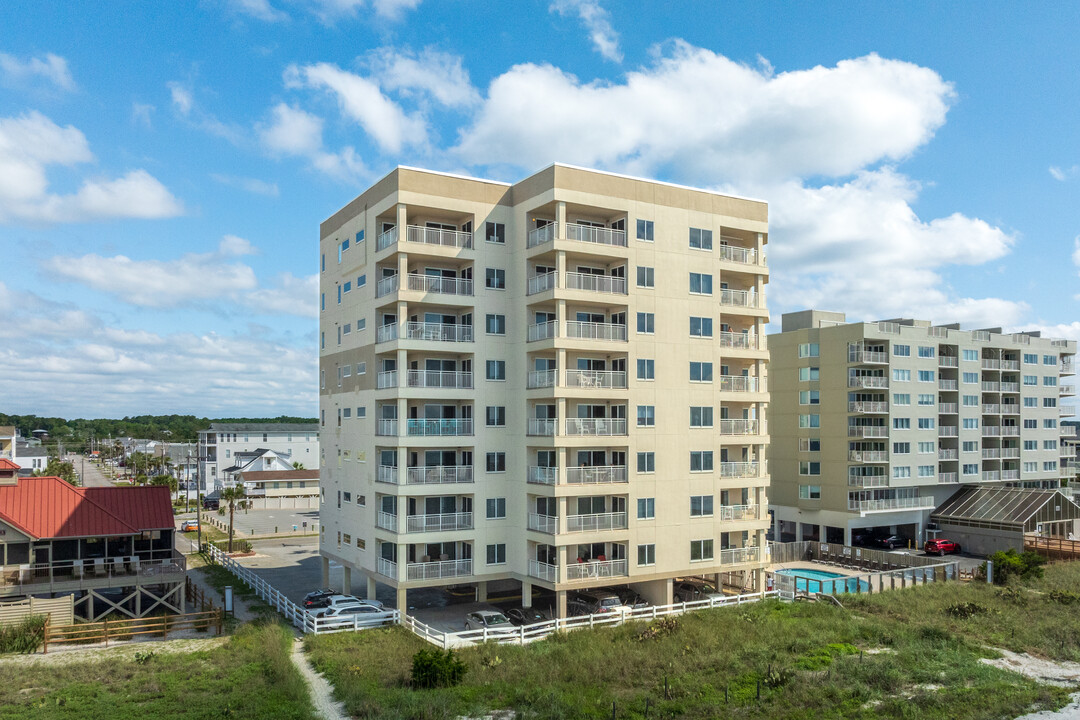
272 522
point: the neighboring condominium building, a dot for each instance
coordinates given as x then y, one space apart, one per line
218 446
559 382
875 424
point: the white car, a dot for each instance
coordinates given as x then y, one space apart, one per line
493 620
337 601
359 613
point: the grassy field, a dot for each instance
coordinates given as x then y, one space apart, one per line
250 676
902 654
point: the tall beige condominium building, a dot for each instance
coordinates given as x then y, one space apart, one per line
875 424
559 382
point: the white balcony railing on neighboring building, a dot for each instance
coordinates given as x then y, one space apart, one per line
439 522
386 379
439 474
440 285
946 478
595 331
386 239
604 379
543 331
439 236
387 285
387 568
866 381
858 355
543 571
386 333
868 481
420 427
991 475
947 385
386 427
438 570
947 360
542 234
736 556
737 469
948 408
439 379
738 427
737 383
542 283
739 341
868 406
595 426
543 523
597 235
948 454
441 332
868 431
387 474
598 569
738 298
387 521
947 431
595 522
739 512
596 283
886 504
735 254
868 456
541 427
596 475
543 475
541 379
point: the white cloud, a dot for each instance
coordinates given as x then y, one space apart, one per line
295 132
258 9
30 143
186 107
1063 174
438 75
52 68
291 296
597 21
251 185
330 11
702 117
1076 251
181 98
141 114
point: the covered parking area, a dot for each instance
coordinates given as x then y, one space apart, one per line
985 519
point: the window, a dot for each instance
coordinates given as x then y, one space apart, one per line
646 462
361 368
347 538
338 294
901 448
700 284
496 416
701 550
496 508
1031 379
971 401
809 397
1031 424
812 420
701 505
926 352
700 372
346 371
1031 402
926 471
646 415
496 462
971 378
901 375
645 323
1031 358
970 469
901 350
1031 444
971 423
361 324
899 473
646 369
347 496
495 232
361 544
646 508
1051 465
701 460
926 423
809 374
645 231
347 287
495 278
322 262
807 467
361 412
346 412
970 446
926 448
700 327
1049 402
701 416
1050 444
926 376
1049 381
496 369
901 423
901 398
1049 359
969 355
1030 467
1048 424
496 324
700 239
809 350
496 554
645 277
809 492
322 301
361 281
926 399
346 329
646 554
809 444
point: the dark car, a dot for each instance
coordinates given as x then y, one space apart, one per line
319 598
210 504
524 616
891 542
940 546
631 599
577 609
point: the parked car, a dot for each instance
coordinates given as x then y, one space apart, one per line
524 616
891 542
319 598
493 620
631 599
576 608
189 526
688 591
940 546
338 601
348 613
601 601
210 504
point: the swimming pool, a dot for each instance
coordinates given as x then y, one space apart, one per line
824 582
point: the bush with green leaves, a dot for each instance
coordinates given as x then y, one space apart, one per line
1011 564
436 668
23 637
238 545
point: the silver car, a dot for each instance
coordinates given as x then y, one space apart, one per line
492 620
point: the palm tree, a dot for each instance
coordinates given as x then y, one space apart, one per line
298 466
232 495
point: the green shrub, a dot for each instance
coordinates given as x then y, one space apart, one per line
966 610
1011 564
25 637
239 545
436 668
1064 597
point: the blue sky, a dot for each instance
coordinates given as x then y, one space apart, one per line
164 166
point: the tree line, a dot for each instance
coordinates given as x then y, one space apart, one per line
174 428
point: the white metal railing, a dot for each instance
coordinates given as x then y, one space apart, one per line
442 332
991 475
734 556
543 523
596 426
947 385
542 427
1010 408
948 408
439 379
947 431
543 475
889 327
900 503
1010 474
425 427
737 469
598 235
386 379
739 512
439 474
386 239
439 522
868 406
386 521
596 283
868 456
947 477
947 360
608 379
739 341
857 355
991 387
737 383
595 331
991 453
738 298
386 285
597 569
1010 387
1067 389
866 481
868 431
386 333
866 381
1009 453
735 254
980 335
991 364
596 475
948 454
542 283
938 332
387 568
542 378
440 285
596 522
543 331
1010 364
438 570
438 236
387 474
543 571
738 427
542 234
386 426
990 409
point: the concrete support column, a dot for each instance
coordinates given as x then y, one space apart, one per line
560 268
371 587
481 591
400 599
560 603
403 269
560 413
560 316
526 593
563 460
560 217
402 557
562 514
403 220
562 563
403 415
560 363
346 579
325 571
760 247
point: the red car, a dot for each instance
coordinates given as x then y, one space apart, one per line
940 547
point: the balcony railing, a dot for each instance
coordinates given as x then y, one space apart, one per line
68 575
596 426
855 355
386 521
386 427
991 453
596 522
737 383
542 378
1010 408
439 474
597 235
735 556
438 236
948 385
386 333
1010 474
1009 453
1067 389
947 360
438 570
738 298
991 475
948 409
387 474
868 406
738 427
387 285
868 456
543 331
440 285
947 431
867 481
991 409
947 477
541 427
900 503
739 512
542 234
439 522
542 283
1000 431
595 331
865 381
606 379
1010 387
991 387
948 454
387 568
740 341
386 379
599 569
441 332
543 523
419 427
867 431
597 475
543 571
735 254
596 283
439 379
543 475
386 239
737 469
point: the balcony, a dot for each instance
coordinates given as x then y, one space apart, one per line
439 570
735 254
595 426
867 357
543 571
991 475
425 236
596 235
589 282
1010 408
740 341
947 431
543 523
868 481
440 285
439 474
952 385
991 409
736 556
737 383
1010 387
386 427
596 475
446 427
595 331
948 454
595 570
439 332
738 427
439 379
541 235
889 504
541 427
948 409
1000 431
991 453
738 298
733 513
387 285
541 379
1010 453
867 431
386 379
867 407
543 331
386 333
947 361
1067 389
543 475
386 521
1066 367
737 469
865 381
947 478
596 379
387 568
991 387
439 522
386 239
1010 474
70 575
868 456
596 522
542 283
387 474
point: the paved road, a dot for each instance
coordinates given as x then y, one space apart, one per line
89 472
273 522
